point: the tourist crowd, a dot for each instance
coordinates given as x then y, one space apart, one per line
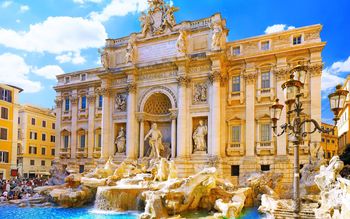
19 188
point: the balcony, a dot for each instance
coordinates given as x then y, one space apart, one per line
64 153
66 115
265 148
83 113
82 152
235 149
98 112
265 92
234 96
97 152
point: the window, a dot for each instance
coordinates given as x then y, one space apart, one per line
297 40
5 95
53 152
236 51
327 140
236 133
66 80
66 141
333 141
82 141
83 77
265 167
35 136
33 121
322 139
43 151
81 168
83 102
236 83
4 113
100 101
43 137
52 138
265 45
3 134
265 132
53 125
43 163
265 80
43 123
4 157
32 162
32 150
66 104
19 120
234 170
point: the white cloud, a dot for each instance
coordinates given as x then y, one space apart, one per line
86 1
15 71
71 57
277 28
119 8
56 35
6 4
49 71
331 75
23 8
18 21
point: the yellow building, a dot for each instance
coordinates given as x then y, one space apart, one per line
344 123
8 125
36 145
329 141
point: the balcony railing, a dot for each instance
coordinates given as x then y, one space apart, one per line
67 114
64 153
263 147
83 113
82 152
235 149
265 92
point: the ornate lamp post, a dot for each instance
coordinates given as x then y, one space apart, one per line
294 128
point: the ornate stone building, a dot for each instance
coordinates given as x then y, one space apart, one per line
210 98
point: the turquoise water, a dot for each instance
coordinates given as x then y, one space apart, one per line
14 212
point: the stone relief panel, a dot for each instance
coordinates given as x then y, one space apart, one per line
200 92
120 102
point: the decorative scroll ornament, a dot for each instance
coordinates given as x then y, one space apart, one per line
281 73
160 17
131 88
316 69
183 81
250 77
58 102
74 99
91 98
120 102
200 93
215 77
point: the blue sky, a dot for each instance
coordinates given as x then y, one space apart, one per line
39 39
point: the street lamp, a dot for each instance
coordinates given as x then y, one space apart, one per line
294 129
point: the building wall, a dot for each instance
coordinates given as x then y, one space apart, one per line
343 123
27 155
161 69
10 124
329 141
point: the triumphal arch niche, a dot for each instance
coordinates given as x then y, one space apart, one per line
180 90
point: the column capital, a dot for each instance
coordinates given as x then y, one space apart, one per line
74 99
91 98
58 102
140 116
215 76
281 73
183 81
104 91
250 78
315 69
131 87
173 113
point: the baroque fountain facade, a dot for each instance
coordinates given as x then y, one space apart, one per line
174 110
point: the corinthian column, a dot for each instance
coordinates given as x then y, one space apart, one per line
74 110
106 124
131 125
183 82
215 79
91 124
250 78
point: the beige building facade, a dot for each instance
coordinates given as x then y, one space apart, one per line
209 97
36 141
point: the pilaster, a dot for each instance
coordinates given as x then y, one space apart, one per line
131 126
91 122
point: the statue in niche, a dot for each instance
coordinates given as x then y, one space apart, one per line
200 93
104 58
199 137
155 141
146 23
181 43
131 50
120 141
217 35
120 103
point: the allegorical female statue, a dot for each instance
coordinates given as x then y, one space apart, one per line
120 141
130 55
199 137
155 141
217 36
